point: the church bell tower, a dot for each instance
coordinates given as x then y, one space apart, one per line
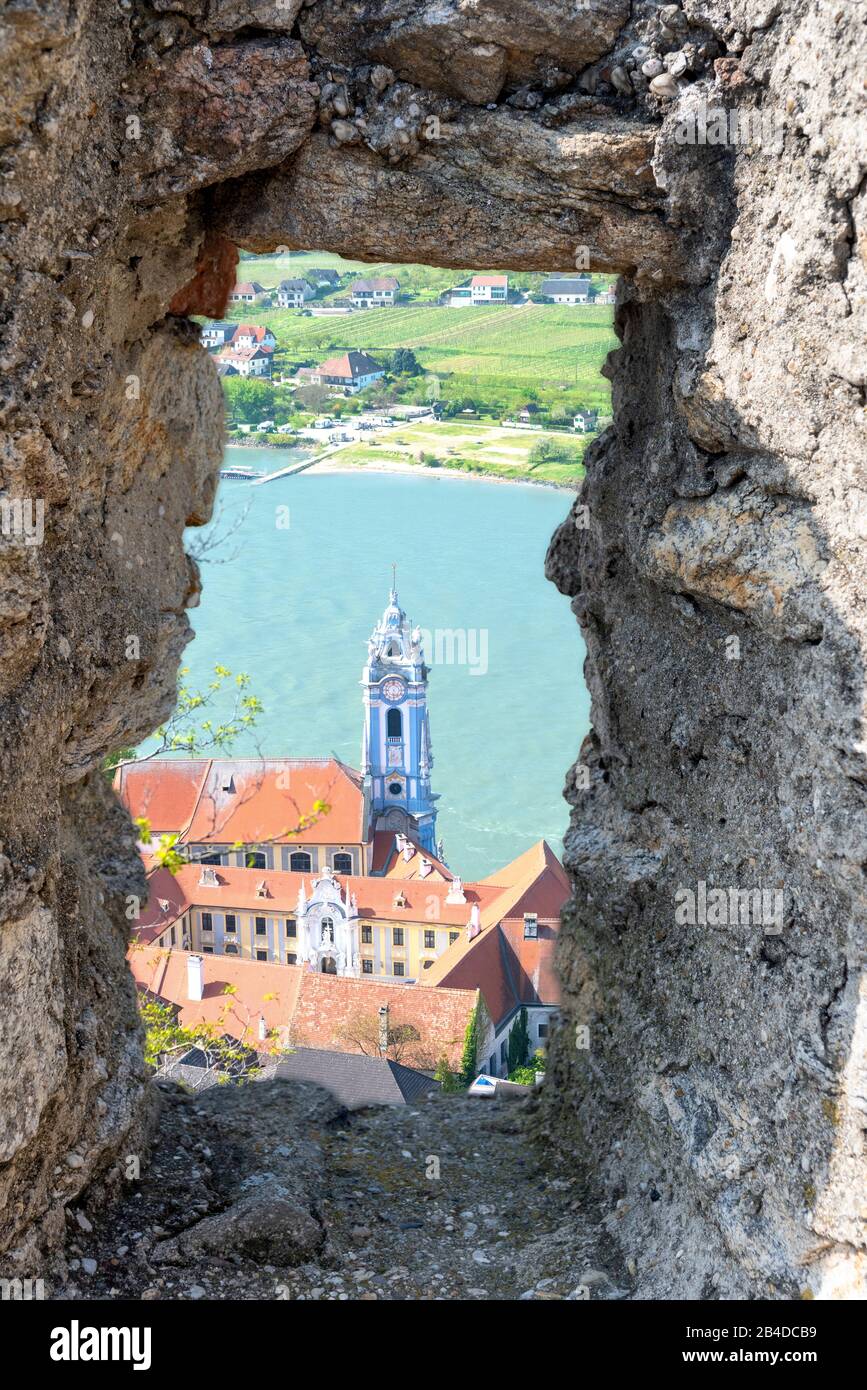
396 757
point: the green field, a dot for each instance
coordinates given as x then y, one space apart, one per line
495 355
470 448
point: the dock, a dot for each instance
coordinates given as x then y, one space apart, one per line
291 468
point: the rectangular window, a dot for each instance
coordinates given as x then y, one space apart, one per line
430 940
367 935
504 1052
261 926
397 936
261 955
543 1030
231 950
291 929
397 968
453 936
231 922
367 967
207 922
291 958
531 926
207 950
172 936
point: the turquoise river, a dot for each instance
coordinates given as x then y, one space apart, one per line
295 574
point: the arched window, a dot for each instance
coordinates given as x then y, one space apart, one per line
329 965
300 862
394 724
255 859
343 863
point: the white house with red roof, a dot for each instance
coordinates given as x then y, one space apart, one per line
246 292
353 371
489 289
253 335
249 361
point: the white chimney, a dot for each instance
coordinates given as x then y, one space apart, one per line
263 1029
196 977
383 1029
474 926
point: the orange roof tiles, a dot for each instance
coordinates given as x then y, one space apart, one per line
251 801
424 899
391 864
493 280
303 1007
508 969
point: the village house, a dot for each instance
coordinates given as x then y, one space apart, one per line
353 371
607 295
567 289
530 413
323 277
489 289
247 292
293 294
586 421
374 294
252 335
251 361
218 334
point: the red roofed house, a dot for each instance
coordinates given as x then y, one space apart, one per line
354 371
246 292
287 1006
489 289
254 335
250 361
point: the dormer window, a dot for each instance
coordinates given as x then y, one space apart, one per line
531 926
262 889
208 877
399 900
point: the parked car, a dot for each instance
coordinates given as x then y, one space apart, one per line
266 427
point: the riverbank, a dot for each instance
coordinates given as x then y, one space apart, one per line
420 470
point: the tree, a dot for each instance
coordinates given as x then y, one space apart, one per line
364 1031
403 362
519 1042
471 1047
312 397
248 399
449 1083
526 1075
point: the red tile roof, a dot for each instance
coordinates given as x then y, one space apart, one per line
391 864
240 888
494 280
349 366
507 968
251 801
305 1008
253 330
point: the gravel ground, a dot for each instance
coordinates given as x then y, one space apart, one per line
273 1191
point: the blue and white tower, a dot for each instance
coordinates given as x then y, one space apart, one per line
396 758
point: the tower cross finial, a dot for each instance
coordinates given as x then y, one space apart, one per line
394 577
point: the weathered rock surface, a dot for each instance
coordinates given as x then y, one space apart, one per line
273 1191
717 573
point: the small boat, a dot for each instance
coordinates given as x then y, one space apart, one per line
240 470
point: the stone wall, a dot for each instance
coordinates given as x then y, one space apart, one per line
713 558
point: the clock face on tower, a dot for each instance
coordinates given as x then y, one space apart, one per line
393 689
